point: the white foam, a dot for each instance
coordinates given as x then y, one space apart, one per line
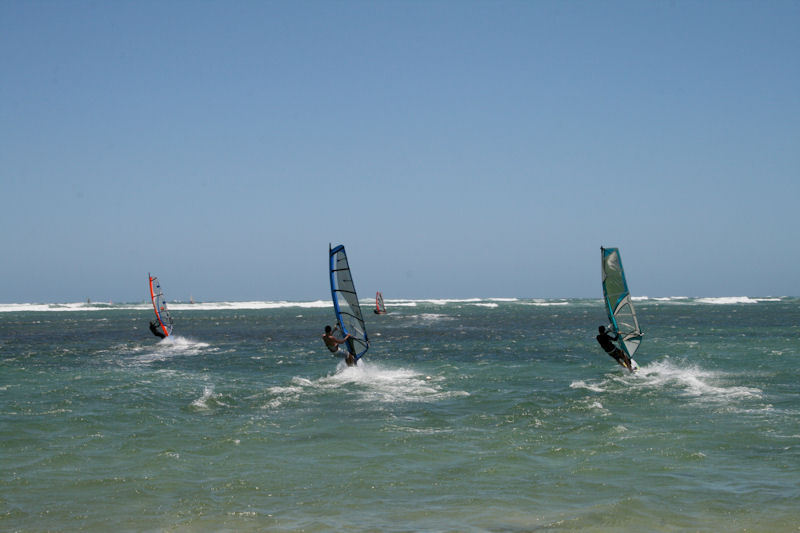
727 300
65 307
545 303
694 381
402 302
373 383
431 317
208 399
387 385
580 384
173 306
446 301
217 306
172 346
321 304
399 303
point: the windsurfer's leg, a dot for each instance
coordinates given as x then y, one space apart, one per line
626 361
619 356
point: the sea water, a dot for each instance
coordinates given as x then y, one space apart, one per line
465 415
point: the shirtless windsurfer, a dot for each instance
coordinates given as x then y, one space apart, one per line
333 344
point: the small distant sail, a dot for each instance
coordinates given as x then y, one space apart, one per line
345 302
380 308
163 323
618 301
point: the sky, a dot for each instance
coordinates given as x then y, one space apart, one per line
457 149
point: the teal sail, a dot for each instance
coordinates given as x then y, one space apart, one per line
618 302
345 302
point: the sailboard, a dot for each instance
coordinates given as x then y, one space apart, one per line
163 318
345 303
380 307
619 306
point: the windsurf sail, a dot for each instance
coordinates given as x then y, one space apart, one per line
380 308
163 318
618 302
345 302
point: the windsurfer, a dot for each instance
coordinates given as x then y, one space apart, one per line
333 344
154 329
611 349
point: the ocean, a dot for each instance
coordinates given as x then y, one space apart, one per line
499 415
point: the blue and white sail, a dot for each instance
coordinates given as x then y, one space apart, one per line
345 302
618 302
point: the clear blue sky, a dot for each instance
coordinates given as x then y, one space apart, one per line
457 148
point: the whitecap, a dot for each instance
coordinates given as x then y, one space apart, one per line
208 400
540 302
695 382
222 306
430 317
373 383
580 384
727 300
172 346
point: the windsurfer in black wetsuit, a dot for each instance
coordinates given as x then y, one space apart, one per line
155 330
611 349
333 344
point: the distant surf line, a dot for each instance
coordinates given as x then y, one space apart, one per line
487 303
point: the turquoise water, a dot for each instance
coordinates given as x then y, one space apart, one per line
471 415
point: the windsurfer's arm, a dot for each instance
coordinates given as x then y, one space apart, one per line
339 341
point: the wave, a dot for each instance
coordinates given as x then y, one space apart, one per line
173 306
545 303
660 298
580 384
694 382
399 302
216 306
370 382
208 400
66 307
727 300
710 300
429 317
433 301
689 381
169 347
